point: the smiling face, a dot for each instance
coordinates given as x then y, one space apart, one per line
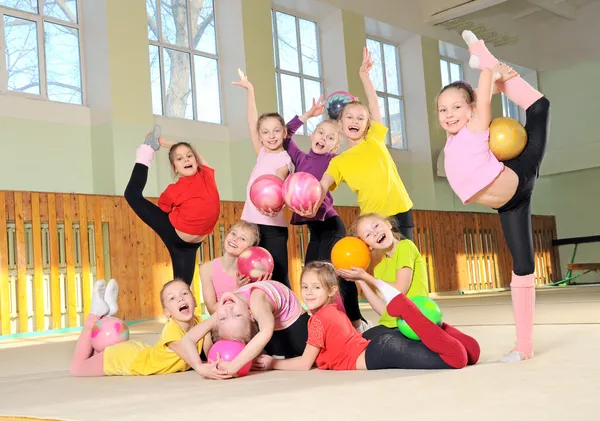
325 138
454 111
233 317
355 118
315 293
376 232
271 132
238 239
184 161
178 301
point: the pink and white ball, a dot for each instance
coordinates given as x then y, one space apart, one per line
301 190
109 331
255 262
266 193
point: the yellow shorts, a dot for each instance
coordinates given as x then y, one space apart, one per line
119 358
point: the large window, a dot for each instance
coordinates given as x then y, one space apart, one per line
297 66
509 108
386 78
41 49
451 71
184 70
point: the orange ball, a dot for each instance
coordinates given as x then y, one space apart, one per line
350 251
507 138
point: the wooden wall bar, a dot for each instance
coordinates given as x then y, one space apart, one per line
54 245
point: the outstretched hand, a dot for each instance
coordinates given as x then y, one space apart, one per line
367 63
318 107
352 274
243 82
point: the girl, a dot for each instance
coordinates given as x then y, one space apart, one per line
326 227
267 133
220 275
187 211
476 176
335 345
402 266
133 358
279 316
367 166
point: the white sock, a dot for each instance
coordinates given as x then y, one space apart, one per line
469 37
99 306
110 297
513 357
388 291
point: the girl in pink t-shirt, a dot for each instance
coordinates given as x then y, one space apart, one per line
220 275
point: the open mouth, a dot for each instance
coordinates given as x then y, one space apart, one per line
353 129
381 238
320 145
230 244
187 167
184 309
228 301
451 123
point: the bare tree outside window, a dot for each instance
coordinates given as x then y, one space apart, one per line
297 66
42 49
388 84
184 69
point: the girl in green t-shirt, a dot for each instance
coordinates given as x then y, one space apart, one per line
402 265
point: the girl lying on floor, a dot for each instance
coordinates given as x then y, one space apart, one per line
336 345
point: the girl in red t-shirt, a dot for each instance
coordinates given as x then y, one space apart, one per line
336 345
187 210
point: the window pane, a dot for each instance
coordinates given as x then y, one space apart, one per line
454 72
152 19
278 91
156 86
203 26
396 123
63 67
287 42
274 44
174 22
377 71
312 89
24 5
22 64
178 82
445 75
61 9
208 102
291 97
383 110
392 70
308 48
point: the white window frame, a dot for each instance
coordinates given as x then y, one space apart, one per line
448 61
39 19
385 95
300 75
162 44
509 108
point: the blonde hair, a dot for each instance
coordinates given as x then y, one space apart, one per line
337 129
365 107
325 273
276 116
376 255
250 227
246 336
166 285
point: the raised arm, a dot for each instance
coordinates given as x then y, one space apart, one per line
368 86
252 113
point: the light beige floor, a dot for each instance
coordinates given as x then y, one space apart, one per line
560 383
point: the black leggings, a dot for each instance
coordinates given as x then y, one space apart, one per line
183 254
291 341
515 215
323 236
274 240
404 224
388 348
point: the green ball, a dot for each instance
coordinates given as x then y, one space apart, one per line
429 308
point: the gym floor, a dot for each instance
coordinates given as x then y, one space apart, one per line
559 383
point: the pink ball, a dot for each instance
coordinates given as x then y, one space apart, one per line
301 190
109 331
228 350
265 193
255 262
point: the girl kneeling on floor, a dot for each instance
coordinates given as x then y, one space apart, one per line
334 344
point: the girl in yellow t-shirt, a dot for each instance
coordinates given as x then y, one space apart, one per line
134 358
402 266
367 166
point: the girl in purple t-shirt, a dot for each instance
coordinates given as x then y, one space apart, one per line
326 227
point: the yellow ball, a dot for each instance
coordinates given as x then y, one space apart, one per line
507 138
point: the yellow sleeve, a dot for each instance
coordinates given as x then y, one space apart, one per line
170 333
377 132
406 255
335 172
